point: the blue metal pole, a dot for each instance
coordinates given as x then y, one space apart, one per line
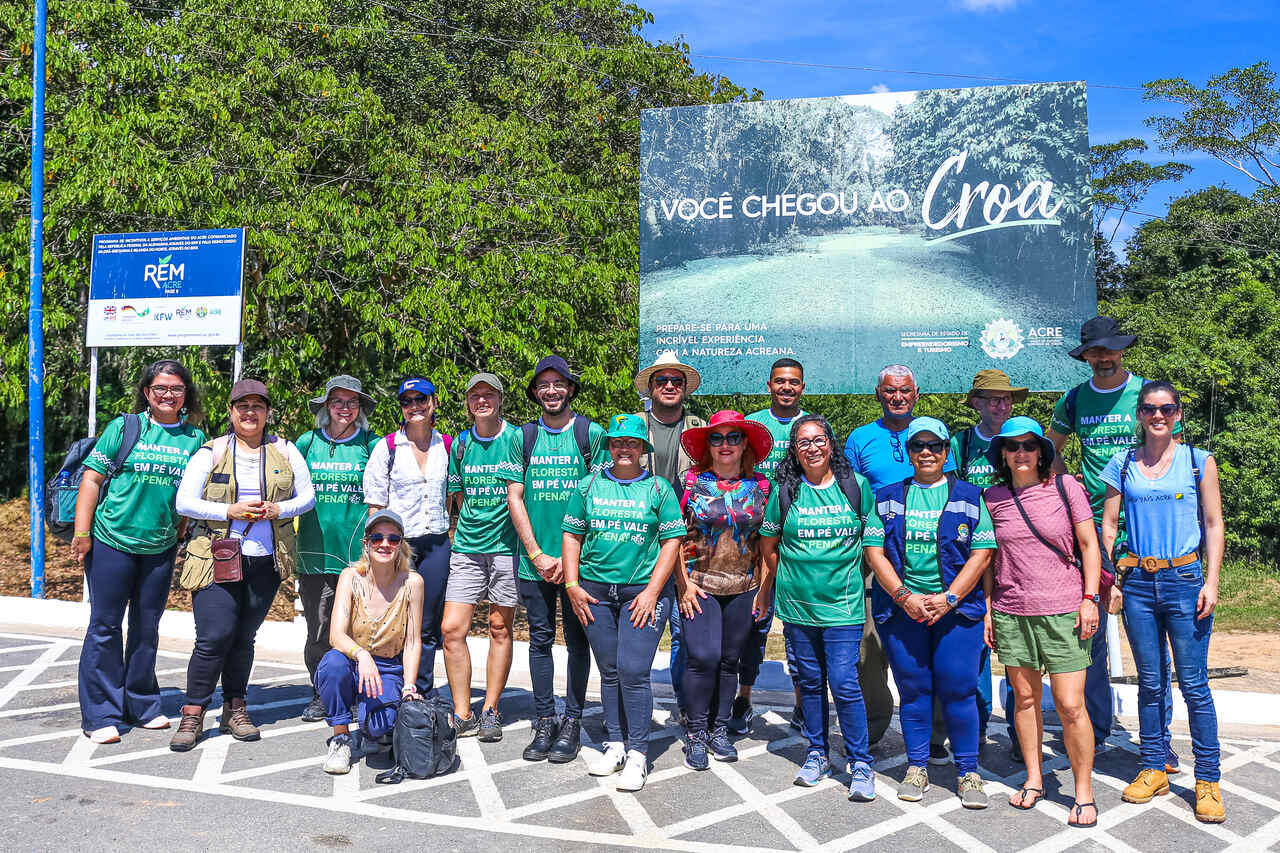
35 315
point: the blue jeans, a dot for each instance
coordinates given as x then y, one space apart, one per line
1158 605
936 660
828 657
624 656
337 680
118 679
431 560
539 599
679 654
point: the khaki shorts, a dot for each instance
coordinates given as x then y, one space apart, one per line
474 578
1047 643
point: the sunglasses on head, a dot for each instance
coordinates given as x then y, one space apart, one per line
1029 445
935 446
1166 409
379 538
733 439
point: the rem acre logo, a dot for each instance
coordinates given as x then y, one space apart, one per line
948 230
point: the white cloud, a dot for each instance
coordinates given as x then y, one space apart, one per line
880 88
988 5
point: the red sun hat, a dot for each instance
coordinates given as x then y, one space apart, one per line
694 440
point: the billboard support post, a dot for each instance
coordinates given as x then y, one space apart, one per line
35 311
93 392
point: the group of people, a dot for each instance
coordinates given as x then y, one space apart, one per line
915 551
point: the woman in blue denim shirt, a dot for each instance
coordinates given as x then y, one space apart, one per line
1173 517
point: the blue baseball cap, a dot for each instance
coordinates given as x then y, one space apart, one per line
1013 428
933 425
416 383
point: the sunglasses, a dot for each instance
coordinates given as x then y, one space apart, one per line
733 439
1027 445
415 400
895 444
674 381
379 538
935 447
1166 409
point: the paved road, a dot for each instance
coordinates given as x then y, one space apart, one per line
59 791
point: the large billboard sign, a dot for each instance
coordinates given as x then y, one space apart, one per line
948 230
166 288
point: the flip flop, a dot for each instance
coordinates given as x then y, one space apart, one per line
1022 797
1076 809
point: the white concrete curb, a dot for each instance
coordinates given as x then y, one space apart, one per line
284 640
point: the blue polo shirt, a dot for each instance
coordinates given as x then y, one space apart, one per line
880 454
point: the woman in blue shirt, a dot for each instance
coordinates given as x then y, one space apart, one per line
1173 516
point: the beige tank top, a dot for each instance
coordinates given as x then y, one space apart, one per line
384 638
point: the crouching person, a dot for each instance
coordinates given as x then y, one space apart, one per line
375 639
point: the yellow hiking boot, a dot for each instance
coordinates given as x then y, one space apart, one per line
1209 803
1149 785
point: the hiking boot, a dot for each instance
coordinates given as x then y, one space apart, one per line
634 771
695 751
610 761
1149 785
740 716
315 710
465 726
1209 808
189 728
490 726
862 787
237 723
939 755
722 749
971 794
567 743
815 769
545 730
338 761
914 784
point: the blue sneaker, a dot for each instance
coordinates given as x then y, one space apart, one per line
722 749
695 751
815 769
740 716
797 719
862 788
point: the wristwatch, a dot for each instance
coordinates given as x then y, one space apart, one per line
952 600
1095 598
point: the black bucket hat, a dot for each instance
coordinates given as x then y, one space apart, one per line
1101 332
559 365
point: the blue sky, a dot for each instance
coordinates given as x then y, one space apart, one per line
1105 43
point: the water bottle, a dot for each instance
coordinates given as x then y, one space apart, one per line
66 492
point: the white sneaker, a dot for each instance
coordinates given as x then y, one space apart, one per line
159 721
106 734
635 771
610 761
338 761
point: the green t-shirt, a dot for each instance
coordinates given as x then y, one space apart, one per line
922 573
138 514
1106 422
329 536
475 469
973 466
555 469
819 579
622 523
781 432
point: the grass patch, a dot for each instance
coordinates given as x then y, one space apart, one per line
1248 598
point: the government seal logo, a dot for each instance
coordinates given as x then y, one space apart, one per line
1001 338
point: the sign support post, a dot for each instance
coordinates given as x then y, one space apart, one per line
35 312
93 392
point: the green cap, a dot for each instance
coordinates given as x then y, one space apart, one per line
629 426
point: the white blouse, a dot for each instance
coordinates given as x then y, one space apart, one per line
416 494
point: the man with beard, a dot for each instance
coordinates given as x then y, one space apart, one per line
553 454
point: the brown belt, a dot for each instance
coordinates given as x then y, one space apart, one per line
1155 564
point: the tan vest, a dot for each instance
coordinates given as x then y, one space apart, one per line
383 637
197 567
690 421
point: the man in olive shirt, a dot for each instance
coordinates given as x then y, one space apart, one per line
667 382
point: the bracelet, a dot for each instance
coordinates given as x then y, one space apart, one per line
80 534
354 652
535 555
570 584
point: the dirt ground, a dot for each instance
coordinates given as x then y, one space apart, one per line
64 580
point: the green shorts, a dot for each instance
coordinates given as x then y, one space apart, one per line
1047 643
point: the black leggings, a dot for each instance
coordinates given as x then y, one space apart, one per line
228 616
715 639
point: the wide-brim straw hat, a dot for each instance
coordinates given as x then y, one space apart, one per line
668 361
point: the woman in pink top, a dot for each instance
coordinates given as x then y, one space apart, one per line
1043 587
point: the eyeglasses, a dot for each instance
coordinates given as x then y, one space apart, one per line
556 385
168 390
895 444
246 408
733 439
344 404
379 538
996 399
1166 409
1027 445
415 400
935 447
676 381
818 441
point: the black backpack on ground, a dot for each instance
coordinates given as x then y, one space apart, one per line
62 490
423 742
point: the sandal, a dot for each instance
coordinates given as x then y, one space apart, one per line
1022 798
1076 810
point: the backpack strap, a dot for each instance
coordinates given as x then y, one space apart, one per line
130 430
448 442
303 450
1196 474
966 438
786 497
530 432
853 494
218 447
582 435
390 439
1072 394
